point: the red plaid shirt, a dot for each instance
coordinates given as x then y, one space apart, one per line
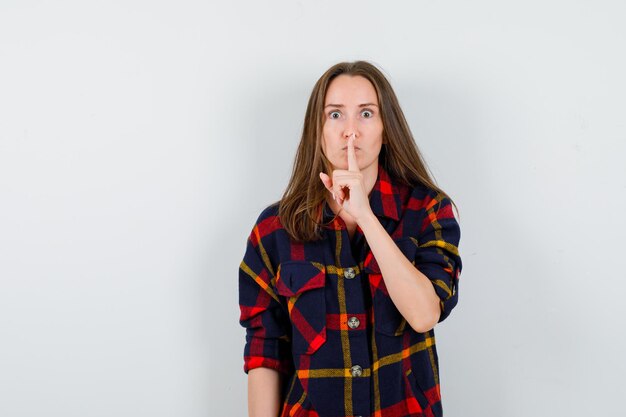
320 312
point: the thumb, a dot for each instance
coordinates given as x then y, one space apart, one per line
328 183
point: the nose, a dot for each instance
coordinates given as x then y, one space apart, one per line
351 128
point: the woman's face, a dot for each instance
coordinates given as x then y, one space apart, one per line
351 106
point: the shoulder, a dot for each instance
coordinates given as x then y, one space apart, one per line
269 237
269 213
424 206
268 224
420 197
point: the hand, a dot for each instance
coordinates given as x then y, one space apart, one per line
347 187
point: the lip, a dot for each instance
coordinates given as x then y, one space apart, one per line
356 148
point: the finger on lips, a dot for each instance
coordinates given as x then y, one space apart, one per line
332 184
352 162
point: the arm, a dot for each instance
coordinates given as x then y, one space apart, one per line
423 293
267 353
410 290
264 386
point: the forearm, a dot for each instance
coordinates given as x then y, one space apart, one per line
264 386
410 290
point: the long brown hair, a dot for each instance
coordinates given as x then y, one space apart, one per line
300 206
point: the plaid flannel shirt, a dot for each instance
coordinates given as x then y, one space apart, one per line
320 313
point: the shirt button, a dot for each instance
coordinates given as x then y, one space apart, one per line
356 370
353 322
349 273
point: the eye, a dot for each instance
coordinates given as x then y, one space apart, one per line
334 114
367 114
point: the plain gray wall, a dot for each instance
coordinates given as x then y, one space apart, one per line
139 141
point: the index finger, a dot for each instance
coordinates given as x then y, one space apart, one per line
352 162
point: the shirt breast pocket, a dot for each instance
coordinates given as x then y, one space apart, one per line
387 318
303 285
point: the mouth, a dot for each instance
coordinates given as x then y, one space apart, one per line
356 148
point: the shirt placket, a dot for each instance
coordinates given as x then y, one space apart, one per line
353 307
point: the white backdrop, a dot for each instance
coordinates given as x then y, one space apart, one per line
139 140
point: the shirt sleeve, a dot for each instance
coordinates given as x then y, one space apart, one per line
262 315
437 254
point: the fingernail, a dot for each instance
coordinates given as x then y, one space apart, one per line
334 198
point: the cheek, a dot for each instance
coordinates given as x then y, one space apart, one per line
379 127
378 133
375 131
327 130
324 142
327 137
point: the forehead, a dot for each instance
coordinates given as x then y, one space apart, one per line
349 89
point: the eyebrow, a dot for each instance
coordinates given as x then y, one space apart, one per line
360 105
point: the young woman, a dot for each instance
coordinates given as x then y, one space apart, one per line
344 279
